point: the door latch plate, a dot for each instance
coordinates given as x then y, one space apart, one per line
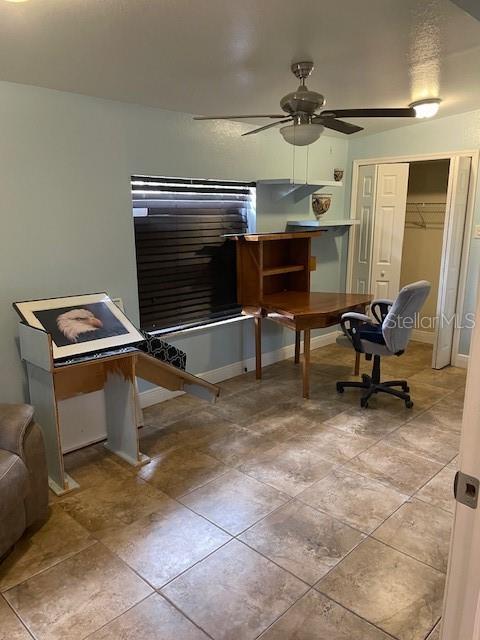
465 489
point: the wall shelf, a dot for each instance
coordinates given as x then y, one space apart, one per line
330 226
298 188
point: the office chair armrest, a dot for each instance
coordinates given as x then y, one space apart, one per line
380 309
350 323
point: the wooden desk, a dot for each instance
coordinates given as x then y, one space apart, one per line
303 311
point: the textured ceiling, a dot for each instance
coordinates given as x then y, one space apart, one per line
233 56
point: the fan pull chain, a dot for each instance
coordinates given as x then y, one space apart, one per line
293 155
306 167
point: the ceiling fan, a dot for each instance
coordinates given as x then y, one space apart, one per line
303 109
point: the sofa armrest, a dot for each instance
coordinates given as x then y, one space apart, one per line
20 435
14 420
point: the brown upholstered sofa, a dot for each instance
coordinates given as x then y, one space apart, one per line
23 474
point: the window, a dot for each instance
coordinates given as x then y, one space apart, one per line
186 267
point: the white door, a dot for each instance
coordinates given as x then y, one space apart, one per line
461 618
390 207
457 197
363 232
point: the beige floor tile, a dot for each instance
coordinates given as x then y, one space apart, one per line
235 593
239 445
154 618
315 617
57 539
302 540
439 490
234 501
242 408
333 444
77 596
420 531
165 543
289 467
368 423
113 504
95 465
178 471
443 415
435 635
440 445
281 421
400 469
192 430
10 626
164 413
449 378
360 502
391 590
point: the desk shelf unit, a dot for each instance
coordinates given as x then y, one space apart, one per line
271 263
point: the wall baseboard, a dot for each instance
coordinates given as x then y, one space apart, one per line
461 360
428 337
156 395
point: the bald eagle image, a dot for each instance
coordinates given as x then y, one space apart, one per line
74 324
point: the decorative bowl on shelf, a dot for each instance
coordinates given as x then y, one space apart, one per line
321 204
338 174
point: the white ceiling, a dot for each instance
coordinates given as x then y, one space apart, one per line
233 56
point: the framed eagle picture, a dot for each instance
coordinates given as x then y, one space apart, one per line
80 324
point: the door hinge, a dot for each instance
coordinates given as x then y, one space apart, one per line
465 489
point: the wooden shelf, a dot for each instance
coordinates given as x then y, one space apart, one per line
288 268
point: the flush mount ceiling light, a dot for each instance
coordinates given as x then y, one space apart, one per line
426 108
302 134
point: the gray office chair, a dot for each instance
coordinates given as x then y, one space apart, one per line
388 336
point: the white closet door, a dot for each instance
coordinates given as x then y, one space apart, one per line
457 197
390 207
362 245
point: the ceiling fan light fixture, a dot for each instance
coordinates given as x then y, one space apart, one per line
301 135
426 108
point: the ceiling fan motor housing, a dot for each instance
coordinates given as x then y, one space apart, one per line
302 100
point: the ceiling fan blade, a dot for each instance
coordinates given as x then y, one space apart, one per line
338 125
403 112
268 115
267 126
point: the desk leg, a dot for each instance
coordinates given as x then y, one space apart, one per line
357 364
297 346
306 363
258 347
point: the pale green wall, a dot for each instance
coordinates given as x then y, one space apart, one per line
455 133
66 220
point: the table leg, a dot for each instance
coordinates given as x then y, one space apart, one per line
297 346
357 364
258 347
306 363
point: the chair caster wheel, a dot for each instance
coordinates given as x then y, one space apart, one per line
340 388
364 403
408 404
406 388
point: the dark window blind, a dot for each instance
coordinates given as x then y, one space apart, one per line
186 267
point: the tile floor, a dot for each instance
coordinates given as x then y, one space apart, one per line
263 516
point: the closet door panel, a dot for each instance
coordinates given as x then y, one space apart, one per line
363 232
457 198
389 215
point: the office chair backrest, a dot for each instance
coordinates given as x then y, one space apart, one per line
400 320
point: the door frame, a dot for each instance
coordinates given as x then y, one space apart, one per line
458 360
